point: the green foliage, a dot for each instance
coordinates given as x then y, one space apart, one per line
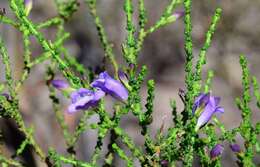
179 143
102 35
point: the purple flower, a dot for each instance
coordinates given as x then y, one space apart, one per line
235 148
205 106
216 151
60 84
28 6
111 86
82 99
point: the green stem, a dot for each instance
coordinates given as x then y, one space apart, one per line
102 35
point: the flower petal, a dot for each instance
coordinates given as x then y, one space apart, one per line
205 106
219 110
81 103
98 94
110 86
79 93
205 116
98 83
116 89
202 99
84 100
72 108
217 100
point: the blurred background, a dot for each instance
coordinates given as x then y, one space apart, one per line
163 53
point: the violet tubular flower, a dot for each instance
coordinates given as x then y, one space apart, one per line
83 99
110 86
206 105
216 151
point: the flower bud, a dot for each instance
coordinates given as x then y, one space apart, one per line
235 148
60 84
124 79
178 14
216 151
175 16
28 6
